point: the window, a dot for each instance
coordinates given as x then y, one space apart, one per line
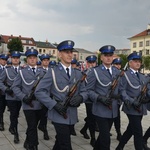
40 51
27 41
134 45
140 44
80 57
147 43
43 50
147 51
27 48
53 51
140 51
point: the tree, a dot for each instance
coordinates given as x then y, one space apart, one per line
15 45
124 59
146 62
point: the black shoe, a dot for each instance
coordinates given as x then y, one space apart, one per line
119 148
118 137
145 147
25 145
16 138
11 131
32 148
92 142
85 135
73 132
46 136
41 128
1 126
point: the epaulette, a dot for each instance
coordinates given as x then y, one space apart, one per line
8 67
77 69
95 67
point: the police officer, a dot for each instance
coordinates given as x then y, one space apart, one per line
90 119
3 62
22 87
9 63
58 81
130 88
39 63
45 59
74 63
105 108
147 134
117 121
72 128
52 63
14 104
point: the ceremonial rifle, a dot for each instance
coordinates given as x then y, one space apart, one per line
141 97
72 92
31 95
114 84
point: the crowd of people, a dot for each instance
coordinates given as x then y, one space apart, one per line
46 90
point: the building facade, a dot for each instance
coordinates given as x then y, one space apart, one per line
26 42
47 48
141 42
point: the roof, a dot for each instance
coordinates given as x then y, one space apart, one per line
143 33
44 44
81 50
6 38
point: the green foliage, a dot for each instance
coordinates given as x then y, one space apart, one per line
99 58
25 60
15 45
146 62
124 59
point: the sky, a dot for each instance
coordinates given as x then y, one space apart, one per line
91 24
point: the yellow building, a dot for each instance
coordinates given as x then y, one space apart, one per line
141 42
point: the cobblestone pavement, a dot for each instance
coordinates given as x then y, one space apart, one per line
78 142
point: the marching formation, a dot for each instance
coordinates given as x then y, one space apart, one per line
46 90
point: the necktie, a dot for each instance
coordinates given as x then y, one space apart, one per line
109 72
16 70
68 72
3 68
137 74
33 69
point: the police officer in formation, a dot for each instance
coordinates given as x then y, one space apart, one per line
90 122
22 87
52 63
105 108
130 88
3 62
147 133
117 121
58 81
45 59
14 104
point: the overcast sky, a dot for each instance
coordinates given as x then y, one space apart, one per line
89 23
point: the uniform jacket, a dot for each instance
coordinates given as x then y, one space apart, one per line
62 80
1 70
23 85
130 88
101 87
6 80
